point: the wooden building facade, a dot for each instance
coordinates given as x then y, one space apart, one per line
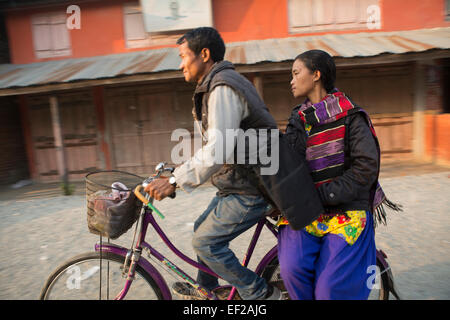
106 119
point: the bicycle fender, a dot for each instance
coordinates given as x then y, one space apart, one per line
381 256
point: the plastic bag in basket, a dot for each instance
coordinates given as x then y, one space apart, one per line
111 214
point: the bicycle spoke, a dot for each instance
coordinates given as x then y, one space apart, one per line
78 280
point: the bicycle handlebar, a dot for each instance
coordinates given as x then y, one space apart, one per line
145 201
160 168
140 196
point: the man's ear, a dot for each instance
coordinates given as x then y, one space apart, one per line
205 54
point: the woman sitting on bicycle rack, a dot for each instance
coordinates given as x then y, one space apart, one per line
329 258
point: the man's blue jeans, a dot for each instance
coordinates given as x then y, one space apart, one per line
223 220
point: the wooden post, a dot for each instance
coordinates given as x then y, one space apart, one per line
103 137
59 141
26 131
419 111
258 83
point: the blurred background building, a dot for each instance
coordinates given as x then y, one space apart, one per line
88 85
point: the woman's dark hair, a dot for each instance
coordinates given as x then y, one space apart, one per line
322 61
205 37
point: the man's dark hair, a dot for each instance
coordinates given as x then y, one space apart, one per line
205 37
322 61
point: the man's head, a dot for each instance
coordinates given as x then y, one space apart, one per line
199 49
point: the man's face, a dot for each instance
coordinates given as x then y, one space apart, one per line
192 66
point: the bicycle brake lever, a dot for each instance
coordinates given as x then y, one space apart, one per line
160 166
171 170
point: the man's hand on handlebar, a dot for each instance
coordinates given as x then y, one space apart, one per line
160 188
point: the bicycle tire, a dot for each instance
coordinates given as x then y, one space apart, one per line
271 273
73 284
384 282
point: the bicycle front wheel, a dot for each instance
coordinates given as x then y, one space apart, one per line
81 278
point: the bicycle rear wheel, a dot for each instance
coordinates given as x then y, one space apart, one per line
380 287
380 290
79 279
272 274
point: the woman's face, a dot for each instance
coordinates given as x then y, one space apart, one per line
303 79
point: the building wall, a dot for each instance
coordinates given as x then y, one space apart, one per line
13 160
385 92
437 143
118 127
437 117
102 30
139 119
129 127
79 130
413 14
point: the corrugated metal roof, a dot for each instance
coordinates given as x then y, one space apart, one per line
365 44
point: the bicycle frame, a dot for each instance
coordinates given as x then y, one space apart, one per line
146 218
135 256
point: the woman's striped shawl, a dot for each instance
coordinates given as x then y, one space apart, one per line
326 143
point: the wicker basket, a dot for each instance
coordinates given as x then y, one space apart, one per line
112 207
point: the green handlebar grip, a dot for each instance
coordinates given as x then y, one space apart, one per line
155 210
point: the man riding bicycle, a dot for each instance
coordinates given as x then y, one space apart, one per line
223 100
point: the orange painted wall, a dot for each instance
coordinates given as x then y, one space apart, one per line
437 142
242 20
19 38
102 31
412 14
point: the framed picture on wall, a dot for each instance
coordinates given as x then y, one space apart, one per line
172 15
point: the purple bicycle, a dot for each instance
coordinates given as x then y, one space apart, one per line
115 272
